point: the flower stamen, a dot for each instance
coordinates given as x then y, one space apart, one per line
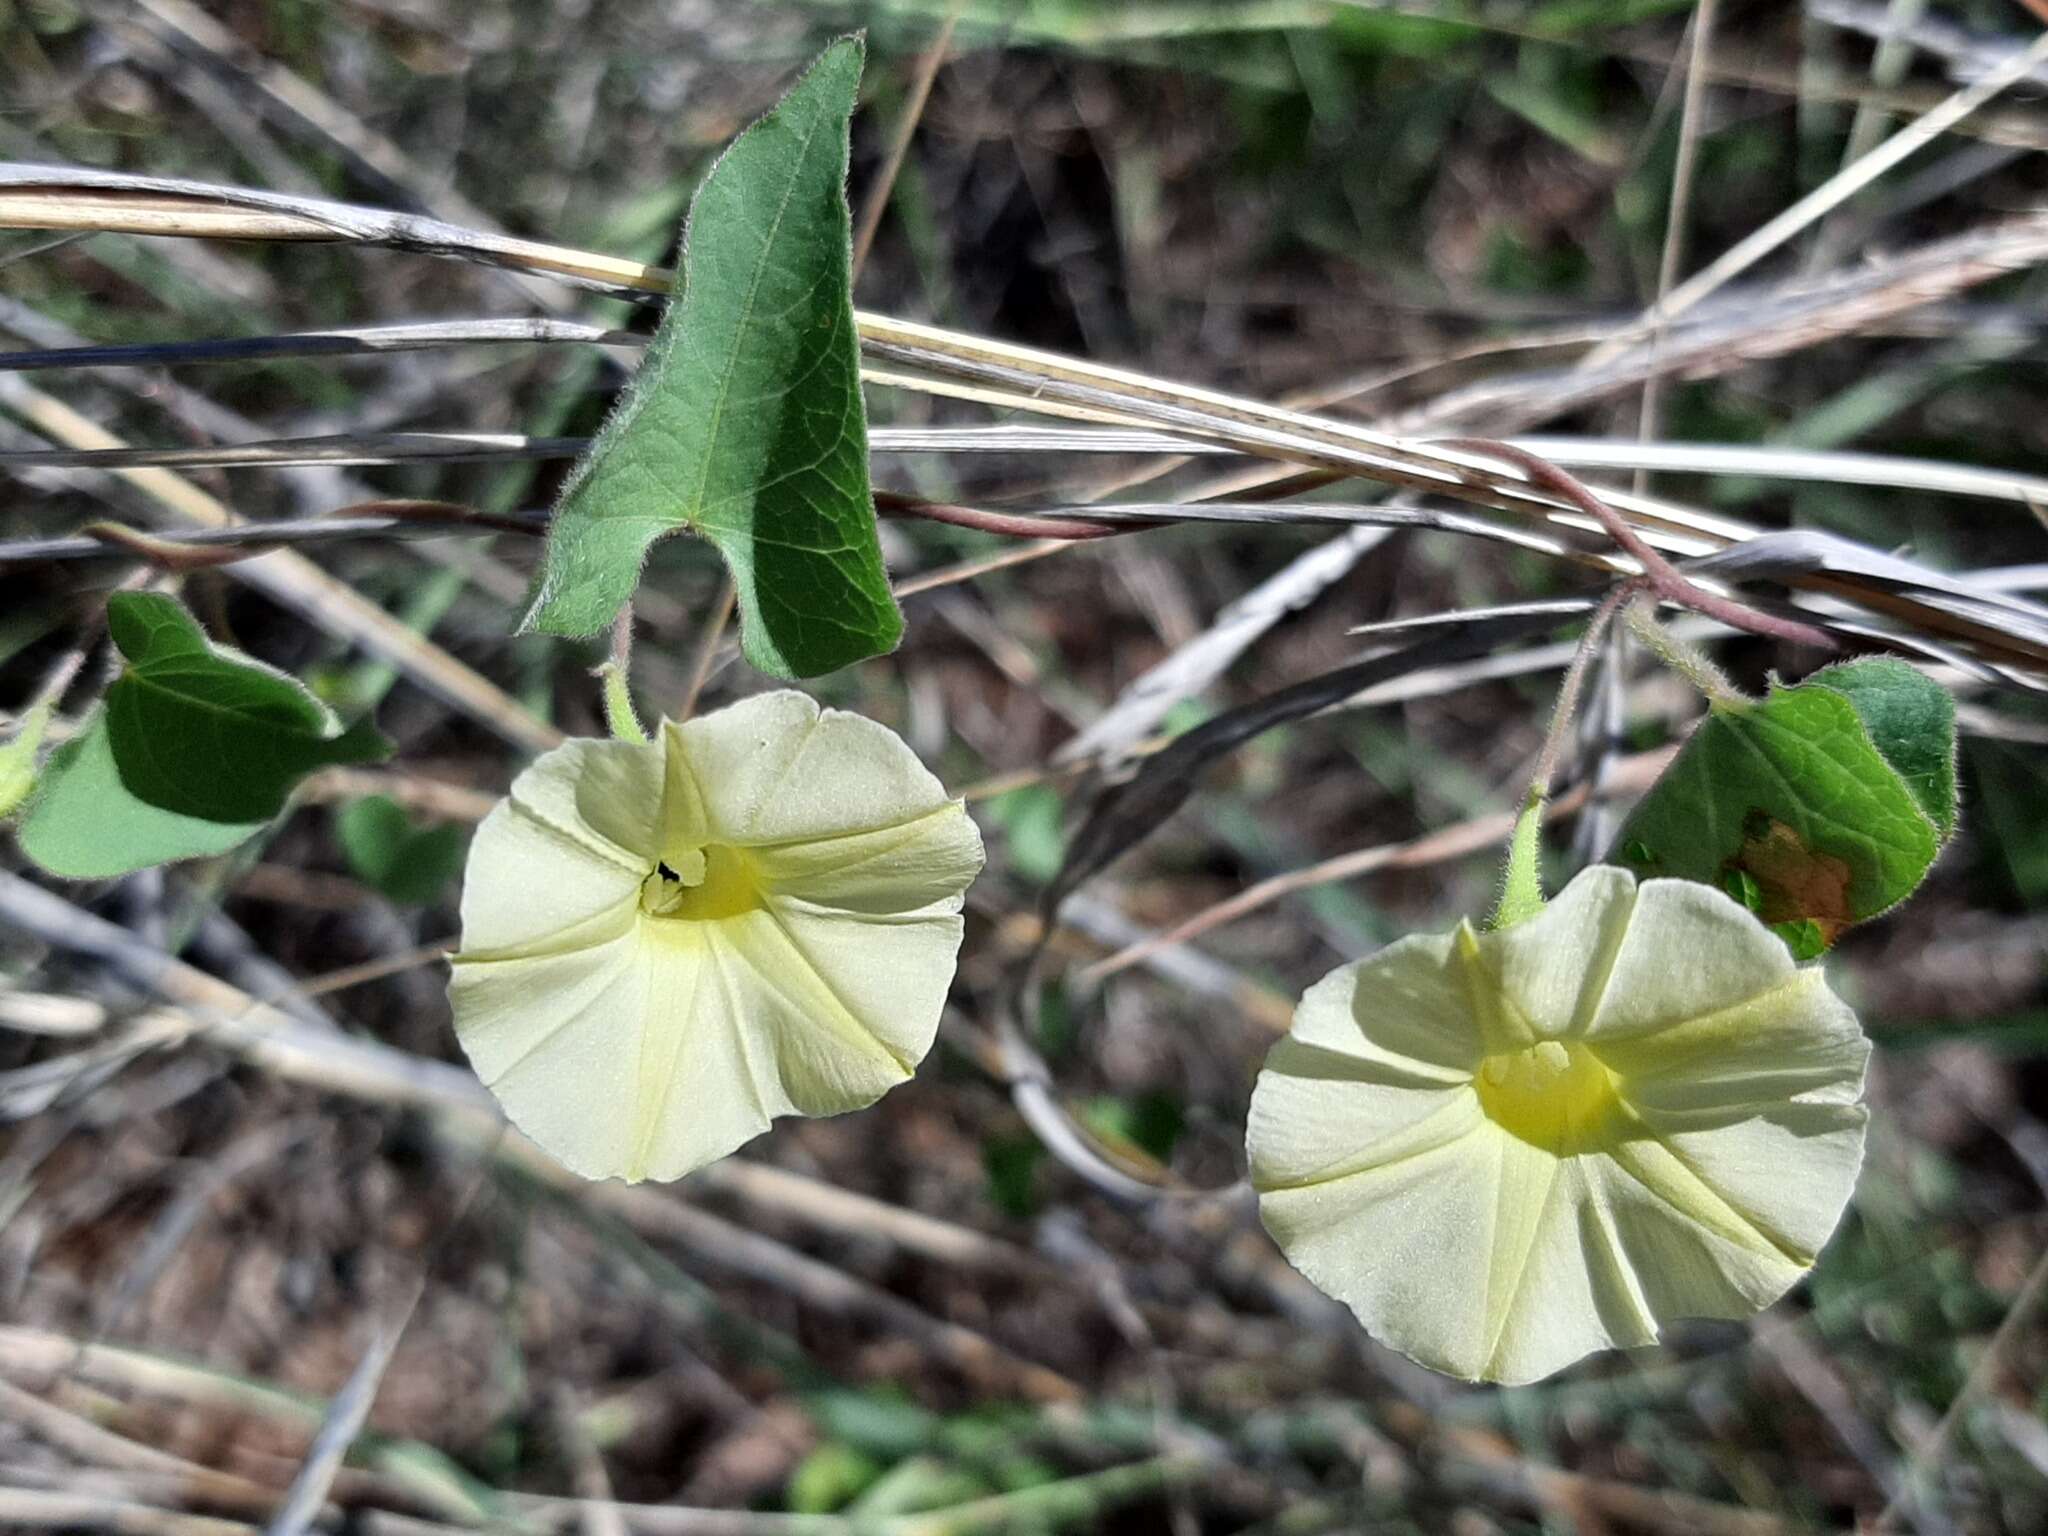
702 885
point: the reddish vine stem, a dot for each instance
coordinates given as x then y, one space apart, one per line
1016 525
1659 576
167 555
415 510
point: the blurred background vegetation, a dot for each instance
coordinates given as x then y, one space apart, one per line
919 1308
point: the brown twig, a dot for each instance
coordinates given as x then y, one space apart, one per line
1446 843
421 510
1660 576
1015 525
1682 175
877 203
174 556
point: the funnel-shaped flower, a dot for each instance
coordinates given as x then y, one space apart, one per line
666 945
1505 1150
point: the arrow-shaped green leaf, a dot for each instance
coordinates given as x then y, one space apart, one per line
207 733
84 824
745 422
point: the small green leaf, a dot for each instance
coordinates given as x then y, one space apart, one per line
1011 1166
208 733
1148 1123
1030 817
409 864
745 422
1741 884
147 626
829 1478
18 758
84 824
1787 801
1912 722
1805 938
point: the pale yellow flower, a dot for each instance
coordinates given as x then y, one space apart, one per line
666 945
1505 1150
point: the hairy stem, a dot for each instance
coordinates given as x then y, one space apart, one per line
1681 656
613 673
1568 692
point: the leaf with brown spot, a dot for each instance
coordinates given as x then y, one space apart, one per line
1791 791
1794 883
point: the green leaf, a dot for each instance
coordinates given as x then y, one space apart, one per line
409 864
1912 722
1805 938
18 758
1011 1166
1147 1123
149 626
1030 817
745 422
829 1478
877 1419
84 824
1741 885
208 733
1787 804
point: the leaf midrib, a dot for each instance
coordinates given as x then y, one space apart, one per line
746 319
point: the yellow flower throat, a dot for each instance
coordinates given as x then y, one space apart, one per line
702 884
1553 1094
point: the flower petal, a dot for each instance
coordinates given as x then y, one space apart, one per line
775 768
1318 1116
1713 1222
839 1008
1405 1009
1561 1283
571 841
544 1034
701 1087
622 1061
1555 966
1732 1179
1689 951
1487 1258
1482 1257
1404 1244
1794 1041
927 860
